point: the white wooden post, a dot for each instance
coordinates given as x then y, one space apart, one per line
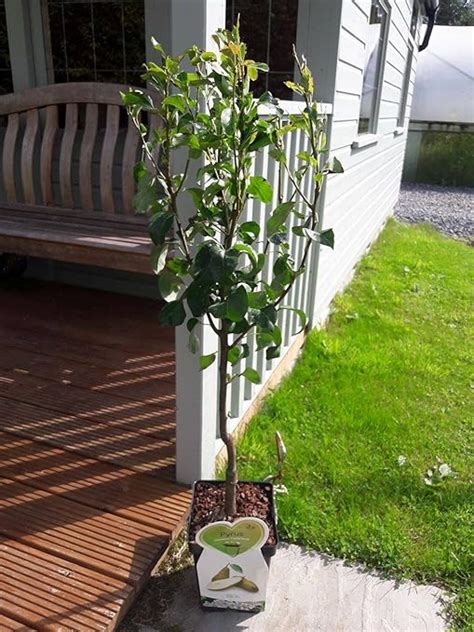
178 24
317 38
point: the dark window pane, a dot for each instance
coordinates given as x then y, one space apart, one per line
97 40
134 77
77 38
277 86
284 18
60 76
58 41
268 27
108 36
260 86
254 17
6 81
110 76
134 28
4 50
79 74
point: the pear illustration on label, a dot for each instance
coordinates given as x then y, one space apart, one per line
232 572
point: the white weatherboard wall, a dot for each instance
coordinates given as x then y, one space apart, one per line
333 35
358 202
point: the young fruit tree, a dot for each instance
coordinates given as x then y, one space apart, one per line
209 261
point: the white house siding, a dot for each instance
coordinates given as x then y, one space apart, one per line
358 202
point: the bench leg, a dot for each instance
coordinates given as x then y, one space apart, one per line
12 266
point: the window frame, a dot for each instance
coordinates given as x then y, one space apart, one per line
410 48
370 136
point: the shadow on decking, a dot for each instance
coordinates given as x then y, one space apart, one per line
87 452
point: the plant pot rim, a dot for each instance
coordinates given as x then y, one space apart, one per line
268 550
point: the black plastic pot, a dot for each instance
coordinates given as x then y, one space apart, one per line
268 550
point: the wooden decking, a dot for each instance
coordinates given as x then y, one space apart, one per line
87 499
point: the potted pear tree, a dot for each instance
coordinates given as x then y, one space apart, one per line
210 262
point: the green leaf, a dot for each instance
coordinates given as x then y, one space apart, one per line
252 72
169 285
218 310
210 260
251 254
158 258
193 342
208 55
237 304
257 300
192 322
272 352
278 155
134 98
206 360
261 140
334 166
252 376
245 351
172 314
177 265
197 297
309 234
249 231
157 46
176 101
260 188
295 87
279 217
234 355
301 314
145 196
196 194
327 238
159 226
264 340
236 568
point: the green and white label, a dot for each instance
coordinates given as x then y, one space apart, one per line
232 571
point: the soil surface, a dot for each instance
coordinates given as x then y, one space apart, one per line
254 500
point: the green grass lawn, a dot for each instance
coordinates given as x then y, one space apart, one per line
390 376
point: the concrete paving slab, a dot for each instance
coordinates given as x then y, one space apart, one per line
308 592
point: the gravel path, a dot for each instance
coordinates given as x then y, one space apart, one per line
449 209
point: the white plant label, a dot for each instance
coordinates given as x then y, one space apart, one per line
232 572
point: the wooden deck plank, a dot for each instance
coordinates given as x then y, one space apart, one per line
59 346
144 383
128 442
88 502
45 592
102 337
64 397
122 491
90 310
101 541
9 625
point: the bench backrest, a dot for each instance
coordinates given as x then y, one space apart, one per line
70 146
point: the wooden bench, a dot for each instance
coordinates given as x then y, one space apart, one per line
67 158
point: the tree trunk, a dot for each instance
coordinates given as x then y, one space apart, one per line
231 471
